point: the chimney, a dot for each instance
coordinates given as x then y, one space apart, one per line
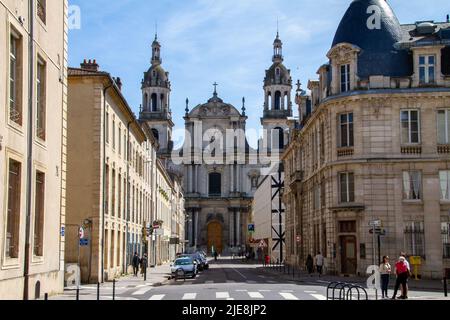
90 65
119 83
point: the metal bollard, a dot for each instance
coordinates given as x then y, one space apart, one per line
46 296
114 290
98 291
445 287
78 294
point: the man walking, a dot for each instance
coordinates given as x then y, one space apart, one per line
319 263
144 264
135 263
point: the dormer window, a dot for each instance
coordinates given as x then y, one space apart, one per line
427 69
345 78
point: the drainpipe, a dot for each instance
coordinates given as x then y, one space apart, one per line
104 181
26 269
127 237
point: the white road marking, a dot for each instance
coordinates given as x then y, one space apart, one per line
287 291
189 296
288 296
222 295
265 290
157 297
141 291
241 290
310 291
255 295
240 273
319 296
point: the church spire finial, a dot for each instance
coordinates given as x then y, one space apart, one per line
215 84
156 30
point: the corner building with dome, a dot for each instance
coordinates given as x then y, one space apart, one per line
373 148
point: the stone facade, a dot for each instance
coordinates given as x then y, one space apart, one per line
32 148
377 150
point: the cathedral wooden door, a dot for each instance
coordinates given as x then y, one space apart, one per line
215 237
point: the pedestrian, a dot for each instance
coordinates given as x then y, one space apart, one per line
310 265
144 264
135 263
215 254
319 263
403 254
385 271
267 260
401 270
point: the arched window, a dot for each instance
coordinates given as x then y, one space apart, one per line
277 72
278 136
145 102
215 184
286 100
278 100
155 134
162 101
154 102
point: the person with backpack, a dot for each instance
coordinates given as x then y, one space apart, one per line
401 269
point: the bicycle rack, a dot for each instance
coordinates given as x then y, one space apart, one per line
345 291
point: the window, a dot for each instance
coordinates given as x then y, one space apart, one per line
155 134
415 239
41 10
317 201
39 215
114 134
347 226
347 187
443 124
277 100
119 196
412 185
154 102
427 69
15 80
113 192
410 121
120 143
13 218
107 128
278 139
107 189
346 130
215 184
444 177
345 77
40 100
445 232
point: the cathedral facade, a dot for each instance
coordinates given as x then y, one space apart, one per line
220 171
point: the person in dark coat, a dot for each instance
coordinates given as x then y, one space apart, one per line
135 263
144 264
310 265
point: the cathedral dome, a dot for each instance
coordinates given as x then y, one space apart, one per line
277 74
156 76
378 56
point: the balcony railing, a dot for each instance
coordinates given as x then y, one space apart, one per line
411 149
345 152
443 148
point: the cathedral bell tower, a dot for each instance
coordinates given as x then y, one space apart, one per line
155 109
277 99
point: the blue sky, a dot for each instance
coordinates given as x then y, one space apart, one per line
228 41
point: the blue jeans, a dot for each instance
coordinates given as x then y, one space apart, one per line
384 284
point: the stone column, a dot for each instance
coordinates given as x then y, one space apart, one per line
231 228
196 228
197 179
238 227
232 177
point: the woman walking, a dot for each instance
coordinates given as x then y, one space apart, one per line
385 271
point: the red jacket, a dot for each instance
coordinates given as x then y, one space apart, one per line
401 267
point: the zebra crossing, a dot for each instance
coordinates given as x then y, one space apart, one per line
236 295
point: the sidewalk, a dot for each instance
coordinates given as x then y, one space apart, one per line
156 277
302 276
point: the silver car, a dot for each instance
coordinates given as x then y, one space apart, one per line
185 266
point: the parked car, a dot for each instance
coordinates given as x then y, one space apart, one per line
187 264
204 259
202 263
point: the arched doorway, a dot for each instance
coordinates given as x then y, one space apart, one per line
215 237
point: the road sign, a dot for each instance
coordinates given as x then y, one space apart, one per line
81 233
378 231
251 227
375 223
84 242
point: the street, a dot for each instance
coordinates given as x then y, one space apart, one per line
227 279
